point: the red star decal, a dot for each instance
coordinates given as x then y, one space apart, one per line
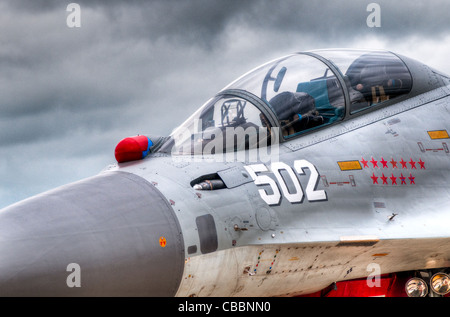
364 162
384 163
403 178
394 163
413 164
403 163
375 163
411 179
374 178
393 179
422 164
384 178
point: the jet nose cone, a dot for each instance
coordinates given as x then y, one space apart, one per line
110 235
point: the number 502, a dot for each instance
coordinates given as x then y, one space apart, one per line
276 168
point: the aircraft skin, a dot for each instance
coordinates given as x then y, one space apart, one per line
373 194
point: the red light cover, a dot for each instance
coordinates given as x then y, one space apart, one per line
131 148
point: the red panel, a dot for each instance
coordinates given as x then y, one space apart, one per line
389 285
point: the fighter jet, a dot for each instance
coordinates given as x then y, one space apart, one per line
315 169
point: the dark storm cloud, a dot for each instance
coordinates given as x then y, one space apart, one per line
201 21
194 22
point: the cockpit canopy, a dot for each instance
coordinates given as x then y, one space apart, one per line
320 82
296 94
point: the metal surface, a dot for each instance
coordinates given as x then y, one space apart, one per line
109 225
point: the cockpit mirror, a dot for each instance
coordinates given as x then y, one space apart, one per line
279 79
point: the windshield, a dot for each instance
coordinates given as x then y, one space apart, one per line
226 123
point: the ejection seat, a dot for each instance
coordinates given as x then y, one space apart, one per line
296 112
319 90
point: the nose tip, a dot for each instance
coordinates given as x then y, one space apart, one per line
113 234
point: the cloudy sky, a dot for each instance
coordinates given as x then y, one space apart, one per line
69 95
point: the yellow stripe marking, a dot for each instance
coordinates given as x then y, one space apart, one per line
349 165
438 134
